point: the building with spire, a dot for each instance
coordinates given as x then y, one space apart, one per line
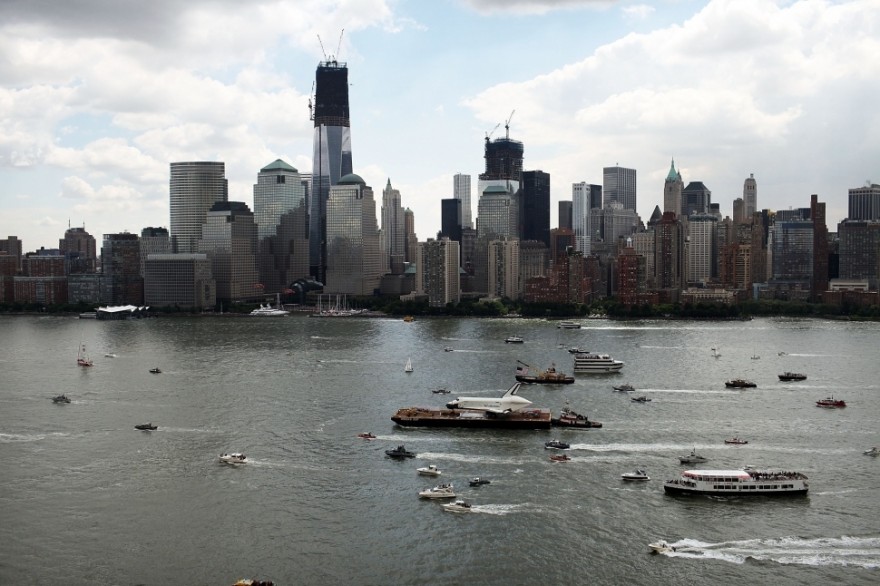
672 189
331 155
392 240
750 196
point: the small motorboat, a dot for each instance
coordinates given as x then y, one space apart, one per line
146 427
441 491
736 441
61 399
624 388
367 436
661 547
790 376
234 458
448 349
110 355
458 506
831 403
478 481
399 452
560 458
156 370
429 470
642 399
692 458
577 350
740 383
440 392
637 474
875 451
514 340
556 445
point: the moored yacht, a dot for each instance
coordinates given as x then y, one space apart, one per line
746 482
595 363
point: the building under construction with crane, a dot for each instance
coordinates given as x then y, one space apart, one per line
332 151
504 160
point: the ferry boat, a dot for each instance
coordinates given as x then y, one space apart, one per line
595 363
568 325
747 482
790 376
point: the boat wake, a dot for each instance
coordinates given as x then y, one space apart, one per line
861 552
499 509
468 458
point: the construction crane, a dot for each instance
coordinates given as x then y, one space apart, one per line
322 47
491 132
338 45
507 125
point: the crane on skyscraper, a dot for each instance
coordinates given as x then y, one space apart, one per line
507 125
491 132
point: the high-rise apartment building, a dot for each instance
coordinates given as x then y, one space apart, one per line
195 187
332 153
461 190
672 189
437 271
702 249
229 238
504 273
750 196
80 251
121 265
392 240
864 203
859 250
619 184
535 217
354 265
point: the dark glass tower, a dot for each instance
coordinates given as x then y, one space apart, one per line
450 219
332 154
536 206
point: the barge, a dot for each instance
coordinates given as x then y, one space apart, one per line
436 417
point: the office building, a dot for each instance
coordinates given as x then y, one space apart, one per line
619 184
565 215
80 251
739 211
859 250
179 280
194 188
498 213
695 199
672 189
121 265
437 271
535 218
819 283
392 240
702 250
461 190
229 238
154 241
42 280
864 203
412 239
278 190
331 155
584 197
750 196
792 250
354 265
450 219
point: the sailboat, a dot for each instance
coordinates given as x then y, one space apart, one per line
409 366
82 357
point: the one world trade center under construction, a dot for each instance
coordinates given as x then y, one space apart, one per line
332 154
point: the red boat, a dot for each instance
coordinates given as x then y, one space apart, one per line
560 458
831 402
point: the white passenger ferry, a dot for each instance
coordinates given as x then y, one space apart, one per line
592 362
738 483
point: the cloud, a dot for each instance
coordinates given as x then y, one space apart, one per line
637 11
48 221
532 6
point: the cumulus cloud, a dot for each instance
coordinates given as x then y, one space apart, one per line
637 11
532 6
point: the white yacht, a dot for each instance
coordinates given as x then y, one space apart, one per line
458 506
268 311
234 458
596 363
429 470
745 482
441 491
637 474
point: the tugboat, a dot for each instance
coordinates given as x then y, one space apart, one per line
399 452
546 377
740 383
574 420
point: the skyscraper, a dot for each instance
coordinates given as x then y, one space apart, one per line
584 197
437 271
353 257
278 191
392 240
461 189
695 199
121 263
229 239
864 202
565 214
79 250
750 196
450 218
332 153
672 188
497 213
619 184
195 187
536 206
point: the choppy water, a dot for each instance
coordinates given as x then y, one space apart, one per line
86 499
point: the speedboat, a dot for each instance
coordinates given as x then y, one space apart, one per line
642 399
458 506
513 340
556 445
441 491
740 383
661 547
234 458
875 451
790 376
560 458
367 436
478 480
429 470
448 349
61 399
637 474
156 370
440 392
624 388
399 452
110 355
146 427
577 350
692 458
831 403
736 441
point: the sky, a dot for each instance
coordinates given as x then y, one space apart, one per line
98 98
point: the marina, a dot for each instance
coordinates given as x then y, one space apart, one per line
88 499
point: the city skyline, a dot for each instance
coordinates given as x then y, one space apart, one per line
100 101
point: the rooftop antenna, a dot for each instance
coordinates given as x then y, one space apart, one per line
507 125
